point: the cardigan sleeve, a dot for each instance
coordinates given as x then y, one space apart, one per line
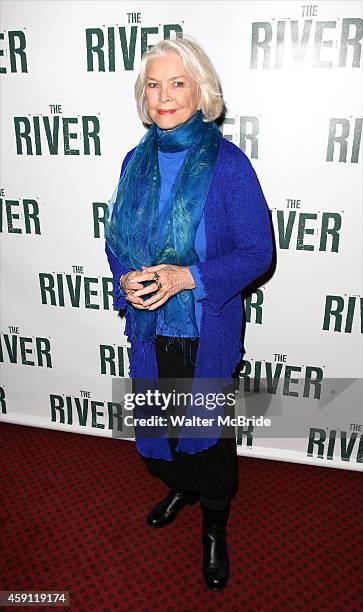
117 269
199 291
250 229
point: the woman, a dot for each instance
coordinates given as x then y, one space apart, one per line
187 230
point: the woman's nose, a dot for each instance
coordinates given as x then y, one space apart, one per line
164 95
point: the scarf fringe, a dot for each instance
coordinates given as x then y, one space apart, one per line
186 348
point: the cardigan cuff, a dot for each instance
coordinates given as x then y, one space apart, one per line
199 291
117 269
119 300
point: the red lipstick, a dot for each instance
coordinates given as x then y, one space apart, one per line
166 111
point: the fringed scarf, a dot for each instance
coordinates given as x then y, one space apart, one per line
138 236
133 229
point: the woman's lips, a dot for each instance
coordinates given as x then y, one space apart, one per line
166 112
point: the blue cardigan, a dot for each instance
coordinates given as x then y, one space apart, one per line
238 250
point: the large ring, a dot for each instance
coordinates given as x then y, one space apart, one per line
156 279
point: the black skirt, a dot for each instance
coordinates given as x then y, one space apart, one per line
213 472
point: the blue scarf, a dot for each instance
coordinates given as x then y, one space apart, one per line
133 229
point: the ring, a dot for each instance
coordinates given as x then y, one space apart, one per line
157 281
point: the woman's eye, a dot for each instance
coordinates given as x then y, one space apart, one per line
152 85
179 83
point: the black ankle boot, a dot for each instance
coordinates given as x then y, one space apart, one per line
168 509
215 553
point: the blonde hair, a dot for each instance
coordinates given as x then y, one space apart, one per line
197 66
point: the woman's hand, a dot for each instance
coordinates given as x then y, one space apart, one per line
172 279
130 284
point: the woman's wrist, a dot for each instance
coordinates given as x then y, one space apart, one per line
121 285
190 280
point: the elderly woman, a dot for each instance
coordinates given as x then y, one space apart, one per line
187 230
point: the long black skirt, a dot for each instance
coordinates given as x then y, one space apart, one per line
213 472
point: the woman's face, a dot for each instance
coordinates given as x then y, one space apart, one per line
172 97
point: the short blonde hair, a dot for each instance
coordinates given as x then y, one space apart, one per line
197 66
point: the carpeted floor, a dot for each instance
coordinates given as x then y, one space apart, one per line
73 518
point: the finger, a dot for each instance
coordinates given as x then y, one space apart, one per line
135 301
155 268
144 276
146 290
139 307
133 285
156 298
159 303
136 278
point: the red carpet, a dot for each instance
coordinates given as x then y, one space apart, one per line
74 510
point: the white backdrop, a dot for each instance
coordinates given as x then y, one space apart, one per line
291 81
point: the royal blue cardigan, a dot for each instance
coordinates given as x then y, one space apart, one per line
238 251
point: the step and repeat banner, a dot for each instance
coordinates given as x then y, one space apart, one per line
291 79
